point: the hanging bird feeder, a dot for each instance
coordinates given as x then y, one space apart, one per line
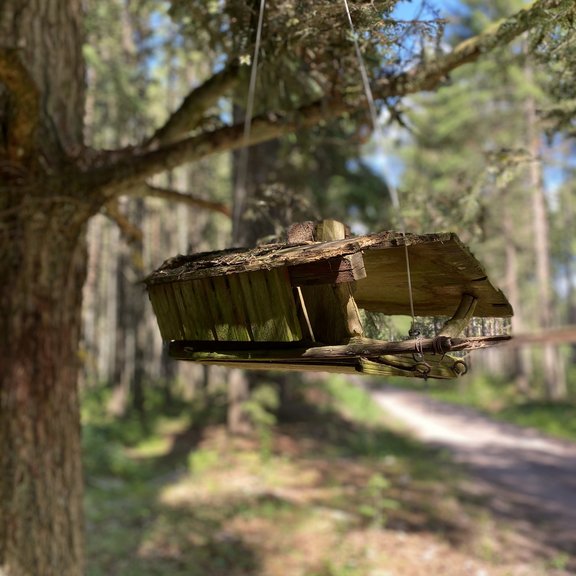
296 306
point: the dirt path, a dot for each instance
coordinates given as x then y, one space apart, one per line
528 478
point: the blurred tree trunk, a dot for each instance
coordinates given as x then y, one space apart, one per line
253 168
521 364
42 267
553 376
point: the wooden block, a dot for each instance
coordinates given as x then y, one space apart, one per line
329 230
331 308
301 232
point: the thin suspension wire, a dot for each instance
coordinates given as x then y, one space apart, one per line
378 130
242 177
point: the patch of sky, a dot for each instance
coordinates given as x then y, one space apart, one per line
378 153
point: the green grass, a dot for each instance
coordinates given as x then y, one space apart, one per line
552 418
499 399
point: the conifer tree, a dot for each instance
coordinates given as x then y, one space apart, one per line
52 184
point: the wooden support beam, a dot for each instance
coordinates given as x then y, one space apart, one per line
331 271
355 348
331 308
461 318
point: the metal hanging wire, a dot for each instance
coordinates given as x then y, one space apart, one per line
378 130
243 161
242 176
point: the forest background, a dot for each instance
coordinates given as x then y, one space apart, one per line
488 156
487 153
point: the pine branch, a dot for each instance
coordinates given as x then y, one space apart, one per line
130 231
148 191
125 174
24 105
500 34
191 111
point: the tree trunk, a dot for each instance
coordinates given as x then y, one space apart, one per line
521 356
41 520
554 377
42 269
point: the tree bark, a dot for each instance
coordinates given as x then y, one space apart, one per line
41 518
42 270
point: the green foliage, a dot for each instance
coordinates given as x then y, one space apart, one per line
352 400
377 503
105 455
293 62
200 461
552 418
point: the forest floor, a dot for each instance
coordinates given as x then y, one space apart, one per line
528 479
333 493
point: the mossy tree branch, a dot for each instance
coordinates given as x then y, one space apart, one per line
125 173
151 191
191 112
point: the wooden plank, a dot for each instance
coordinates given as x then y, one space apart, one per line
356 348
270 306
240 315
184 312
198 319
442 270
278 366
331 271
208 299
231 324
174 329
159 305
282 297
252 289
271 256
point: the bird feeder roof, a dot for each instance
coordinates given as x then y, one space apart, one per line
442 269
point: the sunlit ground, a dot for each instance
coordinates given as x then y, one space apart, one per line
320 497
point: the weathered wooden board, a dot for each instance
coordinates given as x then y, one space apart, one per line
249 307
425 358
442 270
270 256
330 271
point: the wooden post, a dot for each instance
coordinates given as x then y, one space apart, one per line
331 308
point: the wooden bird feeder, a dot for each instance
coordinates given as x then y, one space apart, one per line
295 306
